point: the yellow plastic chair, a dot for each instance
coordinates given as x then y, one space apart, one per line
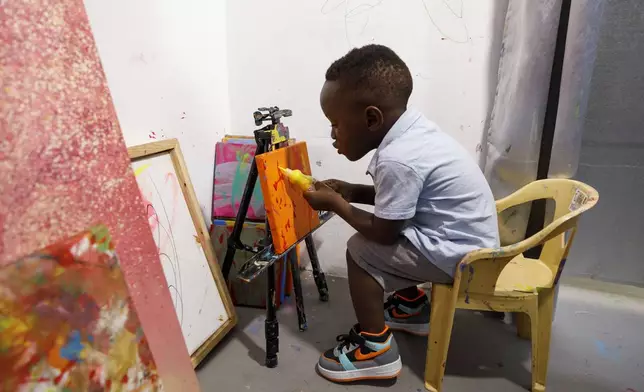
503 280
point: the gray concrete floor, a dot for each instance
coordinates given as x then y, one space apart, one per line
597 346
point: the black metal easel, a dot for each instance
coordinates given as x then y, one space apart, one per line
269 137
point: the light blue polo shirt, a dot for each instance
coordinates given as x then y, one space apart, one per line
424 176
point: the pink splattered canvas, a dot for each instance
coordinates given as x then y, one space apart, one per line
64 166
232 164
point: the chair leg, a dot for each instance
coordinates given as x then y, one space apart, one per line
531 318
440 332
542 337
523 321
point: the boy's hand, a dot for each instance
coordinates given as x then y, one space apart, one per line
324 197
345 189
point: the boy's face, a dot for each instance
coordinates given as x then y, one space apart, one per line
355 130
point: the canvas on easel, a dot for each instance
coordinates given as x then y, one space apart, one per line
290 216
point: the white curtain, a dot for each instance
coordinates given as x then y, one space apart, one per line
513 140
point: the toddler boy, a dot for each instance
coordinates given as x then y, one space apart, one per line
432 206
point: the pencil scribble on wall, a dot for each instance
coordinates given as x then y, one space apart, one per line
357 16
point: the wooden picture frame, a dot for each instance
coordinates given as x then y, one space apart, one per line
171 147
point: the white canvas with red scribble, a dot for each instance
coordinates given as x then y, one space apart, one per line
195 296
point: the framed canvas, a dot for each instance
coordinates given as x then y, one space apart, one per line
198 290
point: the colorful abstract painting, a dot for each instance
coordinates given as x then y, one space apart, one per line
290 217
67 322
232 164
64 165
242 139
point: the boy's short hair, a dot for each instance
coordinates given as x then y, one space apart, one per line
376 70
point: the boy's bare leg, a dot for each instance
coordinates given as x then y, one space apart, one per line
369 350
366 295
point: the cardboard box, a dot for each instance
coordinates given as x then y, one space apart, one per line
251 294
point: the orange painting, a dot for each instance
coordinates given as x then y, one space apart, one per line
290 217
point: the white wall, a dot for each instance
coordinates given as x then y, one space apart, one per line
166 68
217 61
278 52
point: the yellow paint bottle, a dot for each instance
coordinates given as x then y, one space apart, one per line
296 177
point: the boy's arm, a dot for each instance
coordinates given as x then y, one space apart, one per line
363 194
353 193
399 188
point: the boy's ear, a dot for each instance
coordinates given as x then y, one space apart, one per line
374 118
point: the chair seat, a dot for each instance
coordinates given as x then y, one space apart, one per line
523 275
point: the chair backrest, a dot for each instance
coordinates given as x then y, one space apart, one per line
480 269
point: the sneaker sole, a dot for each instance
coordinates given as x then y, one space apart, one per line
414 329
390 370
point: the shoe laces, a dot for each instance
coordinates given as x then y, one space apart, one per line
390 301
347 342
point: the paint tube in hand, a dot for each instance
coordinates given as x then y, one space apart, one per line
296 177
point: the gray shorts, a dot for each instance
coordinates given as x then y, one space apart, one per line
395 267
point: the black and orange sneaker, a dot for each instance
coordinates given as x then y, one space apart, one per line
361 356
408 314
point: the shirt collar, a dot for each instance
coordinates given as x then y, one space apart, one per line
401 126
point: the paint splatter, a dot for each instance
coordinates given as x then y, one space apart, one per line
256 325
605 351
469 280
601 347
141 169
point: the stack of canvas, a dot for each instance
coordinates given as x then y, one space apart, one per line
233 158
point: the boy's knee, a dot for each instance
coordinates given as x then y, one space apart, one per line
354 243
349 258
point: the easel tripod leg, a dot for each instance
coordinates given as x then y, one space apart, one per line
297 289
271 326
241 214
318 275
